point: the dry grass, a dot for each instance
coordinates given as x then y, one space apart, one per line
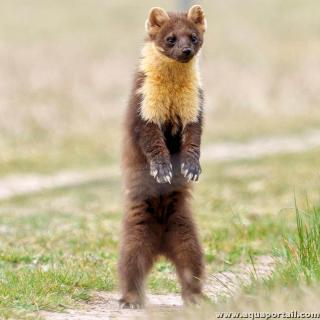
66 69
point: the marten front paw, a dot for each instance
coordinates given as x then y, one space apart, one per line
161 170
190 168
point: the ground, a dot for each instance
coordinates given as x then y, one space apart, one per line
67 69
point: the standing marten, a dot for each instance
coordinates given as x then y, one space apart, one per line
161 153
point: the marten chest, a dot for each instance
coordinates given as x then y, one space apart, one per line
170 91
165 100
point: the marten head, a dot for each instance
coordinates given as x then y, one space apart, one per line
178 36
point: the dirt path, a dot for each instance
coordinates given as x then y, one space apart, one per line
222 284
261 147
27 184
17 185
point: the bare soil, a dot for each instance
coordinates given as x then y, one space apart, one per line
223 284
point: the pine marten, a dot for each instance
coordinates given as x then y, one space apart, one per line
161 151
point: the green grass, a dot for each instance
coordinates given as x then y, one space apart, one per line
308 244
293 286
56 249
301 252
61 245
294 283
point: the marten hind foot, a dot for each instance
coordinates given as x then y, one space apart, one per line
131 301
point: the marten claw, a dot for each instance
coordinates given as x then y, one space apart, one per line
191 171
154 173
162 172
129 305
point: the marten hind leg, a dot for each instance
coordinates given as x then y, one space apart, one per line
182 247
138 251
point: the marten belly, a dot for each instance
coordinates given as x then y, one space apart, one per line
173 138
163 206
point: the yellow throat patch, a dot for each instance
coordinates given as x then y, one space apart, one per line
170 90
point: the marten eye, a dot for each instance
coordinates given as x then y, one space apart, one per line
171 41
194 38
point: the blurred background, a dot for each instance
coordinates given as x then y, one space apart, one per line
66 69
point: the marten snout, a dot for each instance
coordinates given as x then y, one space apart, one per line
186 54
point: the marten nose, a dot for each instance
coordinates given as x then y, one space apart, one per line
186 51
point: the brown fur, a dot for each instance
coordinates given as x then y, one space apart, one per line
159 159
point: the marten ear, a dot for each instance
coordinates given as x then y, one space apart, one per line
196 15
157 17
